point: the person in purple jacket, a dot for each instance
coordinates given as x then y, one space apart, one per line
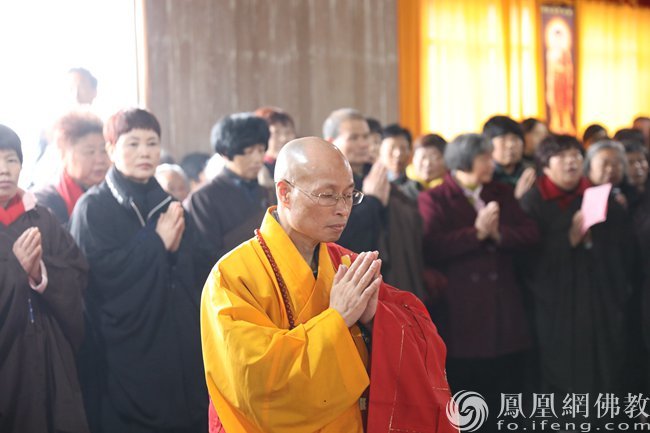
473 228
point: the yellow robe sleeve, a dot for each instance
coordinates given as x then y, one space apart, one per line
263 378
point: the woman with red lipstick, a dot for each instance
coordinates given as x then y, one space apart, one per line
141 367
579 281
42 275
78 137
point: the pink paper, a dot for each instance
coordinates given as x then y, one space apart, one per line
594 205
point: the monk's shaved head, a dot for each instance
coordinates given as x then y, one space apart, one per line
309 172
309 158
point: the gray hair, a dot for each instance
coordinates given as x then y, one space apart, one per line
166 168
461 152
601 145
333 122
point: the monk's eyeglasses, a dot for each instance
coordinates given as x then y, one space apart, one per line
323 199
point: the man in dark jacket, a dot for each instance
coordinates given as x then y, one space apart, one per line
384 221
348 130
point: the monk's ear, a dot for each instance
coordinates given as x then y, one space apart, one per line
283 191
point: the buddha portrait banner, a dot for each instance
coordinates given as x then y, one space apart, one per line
559 60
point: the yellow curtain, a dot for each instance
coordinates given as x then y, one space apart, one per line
478 58
614 63
410 19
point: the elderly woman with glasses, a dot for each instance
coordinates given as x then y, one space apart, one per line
473 229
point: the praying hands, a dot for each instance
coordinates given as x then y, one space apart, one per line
487 222
355 289
170 226
29 252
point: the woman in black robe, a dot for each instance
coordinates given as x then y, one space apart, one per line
142 370
639 208
42 275
228 209
580 282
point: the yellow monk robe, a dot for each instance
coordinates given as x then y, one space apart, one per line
263 377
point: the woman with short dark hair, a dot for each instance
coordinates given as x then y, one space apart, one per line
593 133
142 369
228 208
428 167
42 276
473 228
637 171
534 132
507 139
194 165
579 279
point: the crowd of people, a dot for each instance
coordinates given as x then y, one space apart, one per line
104 267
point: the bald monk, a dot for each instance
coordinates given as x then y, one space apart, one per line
295 328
